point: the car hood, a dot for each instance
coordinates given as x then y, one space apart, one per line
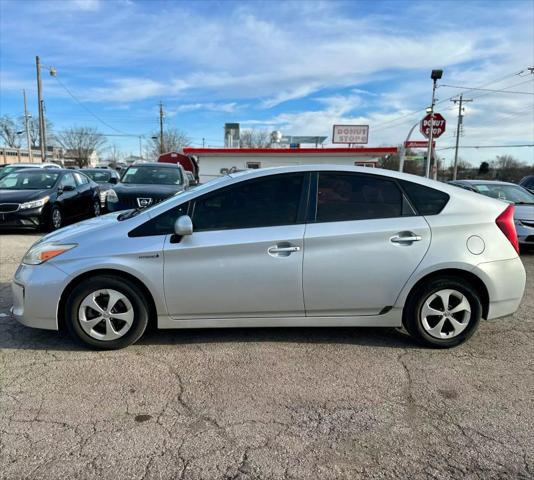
72 232
150 190
21 196
524 212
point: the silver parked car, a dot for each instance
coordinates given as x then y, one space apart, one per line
521 197
321 246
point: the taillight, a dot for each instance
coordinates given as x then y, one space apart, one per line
505 221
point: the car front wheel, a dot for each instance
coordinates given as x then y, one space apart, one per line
96 208
56 218
106 312
443 312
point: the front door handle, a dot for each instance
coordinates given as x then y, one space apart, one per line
405 238
282 250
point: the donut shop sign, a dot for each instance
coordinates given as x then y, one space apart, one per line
350 134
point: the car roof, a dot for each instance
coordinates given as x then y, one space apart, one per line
484 182
155 164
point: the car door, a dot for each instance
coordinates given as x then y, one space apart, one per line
362 245
244 258
85 197
68 196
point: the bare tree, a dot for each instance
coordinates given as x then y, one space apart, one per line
8 131
114 154
80 143
173 139
33 125
252 138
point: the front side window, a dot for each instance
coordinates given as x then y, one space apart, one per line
346 196
163 224
68 180
263 202
81 179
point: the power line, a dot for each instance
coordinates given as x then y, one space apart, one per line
413 112
79 102
491 146
488 90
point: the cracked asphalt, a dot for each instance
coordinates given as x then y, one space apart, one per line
266 403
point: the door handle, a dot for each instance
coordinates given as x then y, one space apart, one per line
405 237
283 249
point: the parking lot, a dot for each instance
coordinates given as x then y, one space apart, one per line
265 403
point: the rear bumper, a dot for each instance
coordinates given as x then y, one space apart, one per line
505 281
36 292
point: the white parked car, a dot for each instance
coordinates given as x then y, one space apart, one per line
322 246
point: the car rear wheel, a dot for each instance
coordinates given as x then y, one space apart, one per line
443 312
106 312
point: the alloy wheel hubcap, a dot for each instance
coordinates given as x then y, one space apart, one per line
56 218
106 314
445 314
97 208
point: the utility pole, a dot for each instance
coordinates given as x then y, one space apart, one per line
42 128
435 76
203 142
161 150
460 102
28 138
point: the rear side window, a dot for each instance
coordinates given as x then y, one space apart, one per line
427 201
345 196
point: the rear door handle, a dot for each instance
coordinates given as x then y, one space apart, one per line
405 237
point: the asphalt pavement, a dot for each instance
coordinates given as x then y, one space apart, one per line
266 403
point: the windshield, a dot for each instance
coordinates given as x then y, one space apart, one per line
509 193
7 170
153 175
28 180
98 176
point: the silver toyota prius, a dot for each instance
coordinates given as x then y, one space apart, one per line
319 246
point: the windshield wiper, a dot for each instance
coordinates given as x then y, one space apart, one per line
129 214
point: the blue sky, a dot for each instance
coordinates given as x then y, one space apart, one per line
294 66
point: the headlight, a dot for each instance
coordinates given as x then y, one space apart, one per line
34 203
111 196
103 194
42 252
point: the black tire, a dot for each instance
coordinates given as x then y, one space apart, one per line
413 318
101 282
54 214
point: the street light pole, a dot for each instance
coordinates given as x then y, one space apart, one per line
435 76
42 132
161 128
28 138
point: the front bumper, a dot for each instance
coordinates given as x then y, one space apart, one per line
525 233
36 292
28 218
505 281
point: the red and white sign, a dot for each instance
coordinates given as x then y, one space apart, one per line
350 134
438 126
417 144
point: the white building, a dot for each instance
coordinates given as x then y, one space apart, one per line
214 162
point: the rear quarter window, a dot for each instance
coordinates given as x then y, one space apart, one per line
426 200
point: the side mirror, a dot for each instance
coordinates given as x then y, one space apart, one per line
67 188
113 180
183 226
